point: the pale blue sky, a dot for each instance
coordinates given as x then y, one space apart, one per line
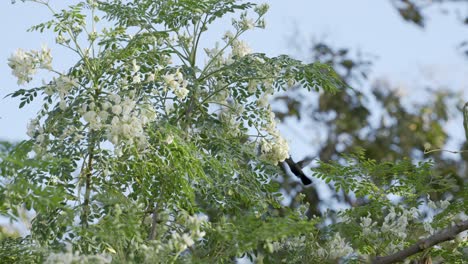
407 54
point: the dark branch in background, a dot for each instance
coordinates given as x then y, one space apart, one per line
423 244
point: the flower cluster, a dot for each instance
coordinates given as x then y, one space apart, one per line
62 86
276 148
179 241
335 248
25 64
70 257
194 224
177 84
240 48
127 122
396 223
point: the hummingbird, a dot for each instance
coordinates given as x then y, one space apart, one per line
296 168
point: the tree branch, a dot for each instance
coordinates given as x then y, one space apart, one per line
448 233
154 223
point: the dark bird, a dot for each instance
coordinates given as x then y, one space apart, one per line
465 119
296 169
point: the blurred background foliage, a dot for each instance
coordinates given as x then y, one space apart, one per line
376 115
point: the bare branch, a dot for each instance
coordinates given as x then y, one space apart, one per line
448 233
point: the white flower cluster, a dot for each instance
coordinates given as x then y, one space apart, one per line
33 128
127 123
178 242
25 64
177 84
437 207
135 72
335 248
240 48
276 148
367 226
61 85
442 205
247 23
396 223
194 224
36 132
69 258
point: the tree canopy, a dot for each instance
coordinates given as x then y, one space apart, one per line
142 154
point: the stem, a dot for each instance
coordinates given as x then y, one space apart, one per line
155 218
87 196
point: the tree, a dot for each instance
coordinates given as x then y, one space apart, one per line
139 154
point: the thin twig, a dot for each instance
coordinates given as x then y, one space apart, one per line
154 223
427 151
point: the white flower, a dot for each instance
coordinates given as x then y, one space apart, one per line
169 139
444 204
263 101
89 116
40 139
252 87
150 77
147 113
136 67
367 225
136 78
169 79
127 106
105 105
187 240
169 107
228 36
92 106
240 48
32 127
461 217
281 149
321 252
45 58
49 90
247 23
84 108
103 115
115 98
22 65
339 247
63 105
117 109
93 119
199 234
259 60
181 93
461 236
25 64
